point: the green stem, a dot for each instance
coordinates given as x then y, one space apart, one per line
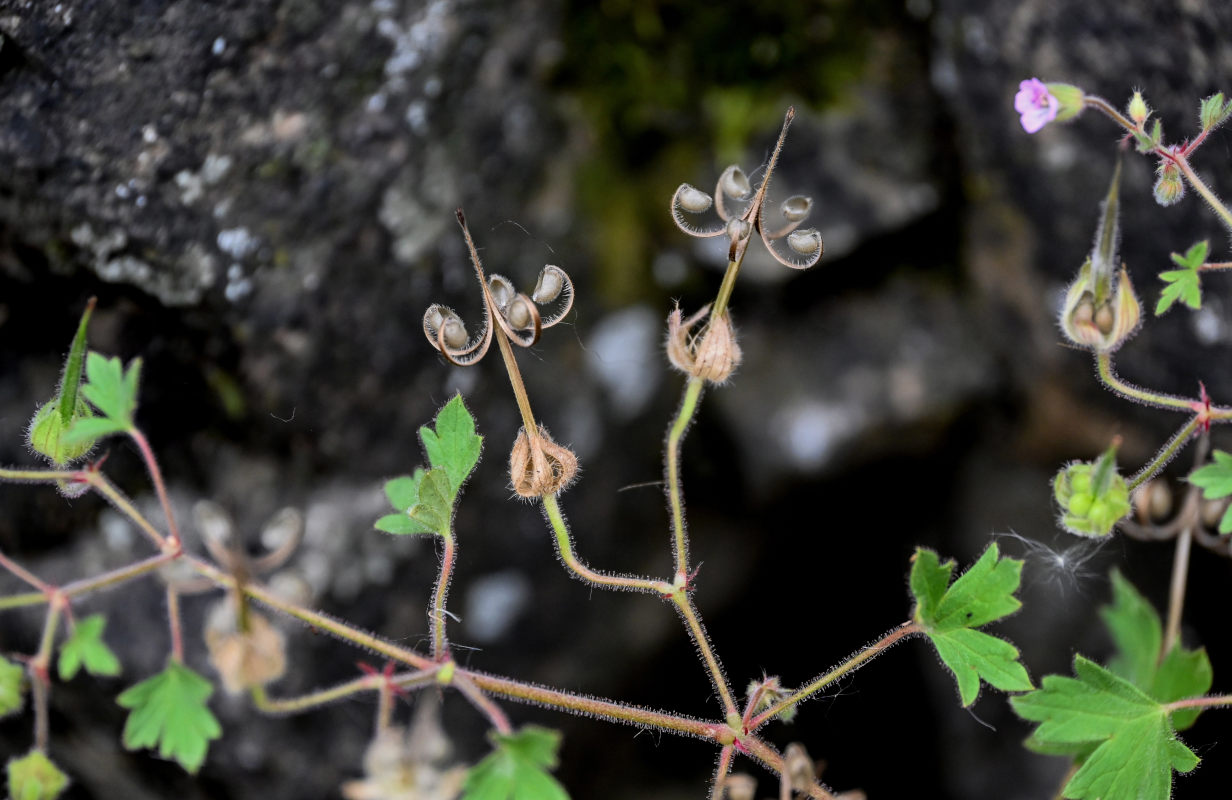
22 600
1176 592
595 707
850 665
156 476
721 771
1210 701
1102 105
313 618
1108 376
175 624
684 604
564 545
1201 188
483 703
1166 454
775 762
23 573
292 705
116 576
688 408
1212 266
440 644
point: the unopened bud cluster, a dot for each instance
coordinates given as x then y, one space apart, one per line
1092 496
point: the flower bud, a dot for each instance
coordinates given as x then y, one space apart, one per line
539 466
1137 109
712 355
693 200
1169 187
1071 100
35 777
46 433
1092 496
244 658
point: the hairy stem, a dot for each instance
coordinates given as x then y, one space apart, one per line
1166 454
564 545
440 644
175 624
156 476
767 755
853 663
483 703
684 604
675 498
116 576
1201 188
721 770
293 705
23 573
22 600
1210 701
1108 376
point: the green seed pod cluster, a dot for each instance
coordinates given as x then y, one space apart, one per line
1092 496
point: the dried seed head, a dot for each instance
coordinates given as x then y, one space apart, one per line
734 183
1212 512
1152 501
1103 324
805 242
539 466
739 786
442 321
798 768
244 659
796 208
547 288
693 200
712 354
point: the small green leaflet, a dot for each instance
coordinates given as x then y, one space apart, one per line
1183 284
169 711
950 613
1215 481
518 768
1214 111
1137 633
1131 743
10 686
113 391
35 777
425 500
86 646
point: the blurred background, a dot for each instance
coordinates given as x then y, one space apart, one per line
261 194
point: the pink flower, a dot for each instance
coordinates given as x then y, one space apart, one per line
1036 105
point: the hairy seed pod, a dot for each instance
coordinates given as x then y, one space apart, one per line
454 332
548 287
244 658
519 314
1153 501
796 208
1212 512
805 242
738 229
538 466
734 183
798 767
694 200
502 290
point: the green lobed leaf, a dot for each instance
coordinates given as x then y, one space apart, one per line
518 769
1135 747
35 777
170 711
949 616
113 391
1138 635
403 492
1215 480
11 685
86 647
435 508
454 446
1213 111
